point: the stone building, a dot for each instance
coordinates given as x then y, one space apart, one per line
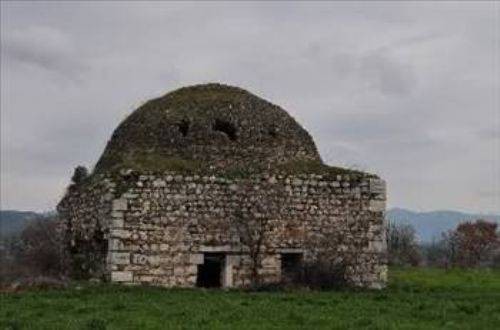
210 185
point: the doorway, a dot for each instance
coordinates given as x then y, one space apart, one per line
210 272
290 265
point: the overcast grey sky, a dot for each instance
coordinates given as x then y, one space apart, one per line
409 91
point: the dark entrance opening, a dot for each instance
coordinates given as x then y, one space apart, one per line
226 128
290 265
210 272
183 127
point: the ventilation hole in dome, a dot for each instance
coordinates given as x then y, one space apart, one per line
273 132
183 127
226 128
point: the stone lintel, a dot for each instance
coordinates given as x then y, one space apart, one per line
219 248
290 250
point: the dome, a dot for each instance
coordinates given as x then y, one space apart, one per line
211 126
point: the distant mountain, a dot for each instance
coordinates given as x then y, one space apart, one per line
429 225
13 222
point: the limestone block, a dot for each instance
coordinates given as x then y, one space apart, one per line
117 214
179 271
119 233
120 204
377 246
377 206
154 260
377 186
139 259
129 195
196 258
119 258
116 223
192 270
117 276
158 183
115 244
376 285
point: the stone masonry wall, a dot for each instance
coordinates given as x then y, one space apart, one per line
84 212
161 226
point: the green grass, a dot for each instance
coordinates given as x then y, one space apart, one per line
415 299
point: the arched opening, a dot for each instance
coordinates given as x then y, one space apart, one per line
183 127
225 127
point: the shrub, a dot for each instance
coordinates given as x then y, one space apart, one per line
320 275
35 257
42 249
79 175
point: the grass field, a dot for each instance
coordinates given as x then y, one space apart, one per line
415 299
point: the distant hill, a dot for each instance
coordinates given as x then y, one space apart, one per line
13 222
431 224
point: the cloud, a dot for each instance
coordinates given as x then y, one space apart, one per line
387 75
43 47
489 133
405 90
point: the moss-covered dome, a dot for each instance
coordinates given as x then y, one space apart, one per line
212 126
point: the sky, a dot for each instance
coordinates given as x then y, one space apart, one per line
406 90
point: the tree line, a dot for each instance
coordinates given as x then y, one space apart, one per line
471 244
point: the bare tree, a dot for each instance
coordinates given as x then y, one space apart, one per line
254 223
402 245
42 249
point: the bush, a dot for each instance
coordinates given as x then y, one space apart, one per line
35 257
42 247
79 175
320 275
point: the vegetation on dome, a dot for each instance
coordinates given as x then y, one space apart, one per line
198 101
213 129
304 166
156 164
213 124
